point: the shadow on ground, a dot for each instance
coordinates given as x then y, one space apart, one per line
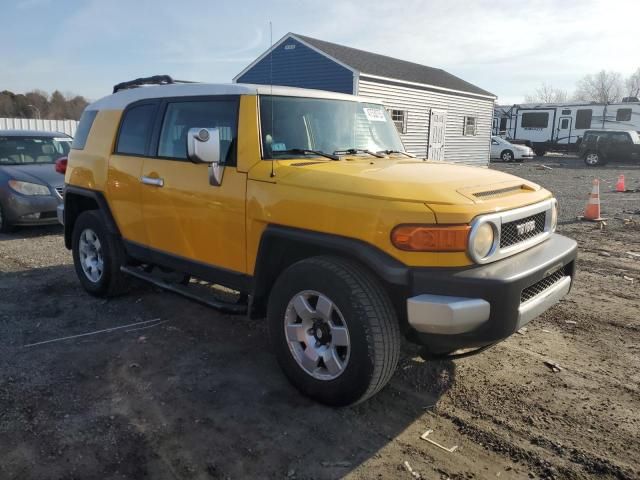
199 396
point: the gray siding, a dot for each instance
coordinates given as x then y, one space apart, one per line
418 103
296 65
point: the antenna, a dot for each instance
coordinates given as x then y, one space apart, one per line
273 173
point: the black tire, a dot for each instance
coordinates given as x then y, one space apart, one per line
5 225
370 319
539 152
111 281
507 156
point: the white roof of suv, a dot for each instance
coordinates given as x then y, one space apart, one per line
122 98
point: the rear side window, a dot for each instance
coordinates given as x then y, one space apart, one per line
583 119
535 120
181 116
84 127
135 130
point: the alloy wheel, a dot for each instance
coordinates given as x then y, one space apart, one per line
317 335
90 252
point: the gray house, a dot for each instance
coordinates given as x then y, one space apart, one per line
437 114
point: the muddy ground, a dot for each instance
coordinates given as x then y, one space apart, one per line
199 396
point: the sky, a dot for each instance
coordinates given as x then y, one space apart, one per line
508 47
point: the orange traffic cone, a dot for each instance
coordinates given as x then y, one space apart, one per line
592 211
620 185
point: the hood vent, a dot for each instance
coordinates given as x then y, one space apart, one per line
501 192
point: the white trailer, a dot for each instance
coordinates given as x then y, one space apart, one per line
560 127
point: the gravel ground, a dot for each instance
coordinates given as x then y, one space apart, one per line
200 396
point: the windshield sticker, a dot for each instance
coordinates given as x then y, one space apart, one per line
374 114
278 147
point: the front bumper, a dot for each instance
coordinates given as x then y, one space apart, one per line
31 209
452 309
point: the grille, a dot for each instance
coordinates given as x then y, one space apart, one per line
539 287
60 191
497 193
509 232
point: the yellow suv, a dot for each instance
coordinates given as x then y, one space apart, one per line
305 205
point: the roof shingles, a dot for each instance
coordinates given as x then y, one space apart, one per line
383 66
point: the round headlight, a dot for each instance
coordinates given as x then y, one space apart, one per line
554 216
482 241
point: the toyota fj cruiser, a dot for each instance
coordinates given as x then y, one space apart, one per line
305 204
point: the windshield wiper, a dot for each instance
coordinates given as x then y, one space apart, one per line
353 151
389 152
304 151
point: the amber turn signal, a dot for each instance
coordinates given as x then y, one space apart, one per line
426 238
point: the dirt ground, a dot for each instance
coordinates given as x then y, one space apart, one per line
198 394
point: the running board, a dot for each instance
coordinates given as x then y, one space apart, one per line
184 291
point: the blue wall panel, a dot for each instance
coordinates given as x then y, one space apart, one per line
296 65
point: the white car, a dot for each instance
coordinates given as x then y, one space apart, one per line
509 152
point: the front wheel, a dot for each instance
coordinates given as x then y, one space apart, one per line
593 159
97 256
334 330
507 156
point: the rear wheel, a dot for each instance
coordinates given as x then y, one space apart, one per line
98 256
334 330
507 156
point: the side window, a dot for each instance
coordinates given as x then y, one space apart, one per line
620 138
535 120
495 142
583 119
135 130
181 116
469 127
84 127
623 115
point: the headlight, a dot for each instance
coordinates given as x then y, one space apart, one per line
482 241
554 216
28 188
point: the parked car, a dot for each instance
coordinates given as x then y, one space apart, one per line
509 152
306 203
30 187
601 146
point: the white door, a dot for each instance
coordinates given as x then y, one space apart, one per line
437 129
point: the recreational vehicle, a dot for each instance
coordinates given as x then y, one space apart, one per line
560 127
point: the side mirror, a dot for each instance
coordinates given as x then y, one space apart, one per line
203 146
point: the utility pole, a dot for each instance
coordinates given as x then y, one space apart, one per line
37 111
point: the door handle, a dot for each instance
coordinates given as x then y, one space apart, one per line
156 182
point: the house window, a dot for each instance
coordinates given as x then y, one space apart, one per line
566 112
399 118
469 128
623 115
583 119
503 124
535 120
564 124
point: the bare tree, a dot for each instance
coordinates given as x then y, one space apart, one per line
547 94
601 87
633 84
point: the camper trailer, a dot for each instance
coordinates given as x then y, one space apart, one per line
560 127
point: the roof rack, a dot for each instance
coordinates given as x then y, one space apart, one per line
154 80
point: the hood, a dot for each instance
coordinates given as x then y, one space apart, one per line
43 173
433 183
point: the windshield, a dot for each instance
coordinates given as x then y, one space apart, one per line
30 150
291 124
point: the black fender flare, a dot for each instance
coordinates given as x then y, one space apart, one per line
73 208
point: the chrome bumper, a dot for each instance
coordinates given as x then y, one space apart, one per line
60 213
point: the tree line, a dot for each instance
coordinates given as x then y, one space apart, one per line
38 104
601 87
